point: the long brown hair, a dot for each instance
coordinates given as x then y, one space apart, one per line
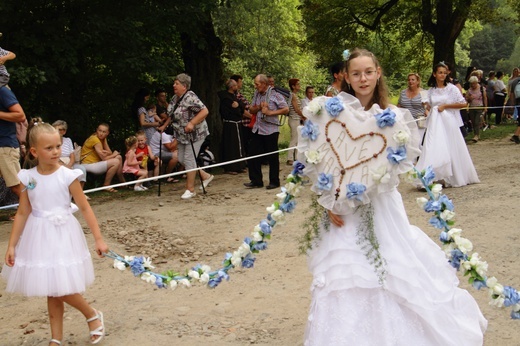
380 95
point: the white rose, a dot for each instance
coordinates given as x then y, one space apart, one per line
119 265
279 217
150 278
498 302
194 274
312 156
482 268
410 176
314 107
236 259
454 232
380 175
147 263
205 268
271 209
448 248
401 137
129 258
516 307
290 176
436 189
492 281
494 286
466 265
447 215
244 250
173 285
293 189
185 283
463 244
204 278
421 201
257 236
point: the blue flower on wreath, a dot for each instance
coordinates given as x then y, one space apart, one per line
478 284
396 156
261 245
310 130
511 296
387 118
456 257
265 227
159 282
355 190
428 175
248 261
432 206
297 168
448 204
444 237
437 223
137 266
288 207
324 181
334 106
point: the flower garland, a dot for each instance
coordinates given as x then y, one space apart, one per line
243 257
458 249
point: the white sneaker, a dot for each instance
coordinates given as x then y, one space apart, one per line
188 194
140 188
207 181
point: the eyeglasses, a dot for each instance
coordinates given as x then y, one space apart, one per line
356 76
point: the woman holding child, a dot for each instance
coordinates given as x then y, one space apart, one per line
188 115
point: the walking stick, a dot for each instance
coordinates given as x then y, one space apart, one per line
160 164
200 174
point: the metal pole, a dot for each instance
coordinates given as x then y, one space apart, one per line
160 163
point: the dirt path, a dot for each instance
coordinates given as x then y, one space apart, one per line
266 305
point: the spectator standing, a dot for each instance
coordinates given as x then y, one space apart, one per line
336 71
231 111
98 158
490 91
5 55
161 106
295 118
11 112
411 99
510 103
247 117
268 105
309 95
476 97
148 122
188 115
500 93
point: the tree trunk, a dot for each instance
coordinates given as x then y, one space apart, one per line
201 53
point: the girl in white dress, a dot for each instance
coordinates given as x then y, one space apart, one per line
418 302
444 147
47 254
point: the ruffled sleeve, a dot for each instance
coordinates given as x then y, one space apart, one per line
24 176
69 175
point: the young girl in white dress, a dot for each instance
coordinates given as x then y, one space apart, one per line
444 148
47 254
418 302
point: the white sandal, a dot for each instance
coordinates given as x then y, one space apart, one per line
99 331
55 341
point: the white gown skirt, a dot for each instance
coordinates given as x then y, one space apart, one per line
51 258
420 303
445 150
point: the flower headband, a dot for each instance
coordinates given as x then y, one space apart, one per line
346 54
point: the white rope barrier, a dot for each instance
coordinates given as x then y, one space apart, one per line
133 182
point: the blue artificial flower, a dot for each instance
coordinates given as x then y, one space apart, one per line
288 207
437 223
478 284
432 206
515 315
137 266
428 175
324 181
387 118
334 106
456 257
247 240
397 155
297 168
262 245
265 227
511 296
444 237
346 54
310 130
223 274
448 204
248 261
159 282
214 282
355 190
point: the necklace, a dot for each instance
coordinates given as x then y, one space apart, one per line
344 168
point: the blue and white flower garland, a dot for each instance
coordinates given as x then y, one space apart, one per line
243 257
458 249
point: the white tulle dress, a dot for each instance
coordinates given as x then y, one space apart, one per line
444 147
51 257
419 302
